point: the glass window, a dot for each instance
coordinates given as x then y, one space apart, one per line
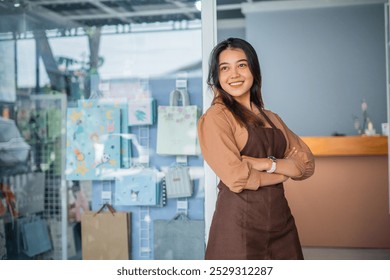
80 89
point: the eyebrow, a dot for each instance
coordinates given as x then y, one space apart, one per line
238 61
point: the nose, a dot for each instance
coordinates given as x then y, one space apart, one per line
234 73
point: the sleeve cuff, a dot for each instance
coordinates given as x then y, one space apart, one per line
254 180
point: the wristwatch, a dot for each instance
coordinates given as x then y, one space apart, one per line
273 166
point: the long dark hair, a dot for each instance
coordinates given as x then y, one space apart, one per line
244 116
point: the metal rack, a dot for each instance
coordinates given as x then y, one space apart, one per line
144 211
56 208
144 232
41 122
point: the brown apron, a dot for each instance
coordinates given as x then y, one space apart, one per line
255 224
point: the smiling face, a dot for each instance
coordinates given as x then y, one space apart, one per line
235 76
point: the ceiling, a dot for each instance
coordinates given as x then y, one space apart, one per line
27 15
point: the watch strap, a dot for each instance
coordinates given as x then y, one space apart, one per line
273 166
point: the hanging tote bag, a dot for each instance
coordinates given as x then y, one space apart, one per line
105 235
177 126
30 193
92 144
14 150
35 236
3 240
122 105
179 239
142 111
178 182
137 189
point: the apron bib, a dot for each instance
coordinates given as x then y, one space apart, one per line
255 224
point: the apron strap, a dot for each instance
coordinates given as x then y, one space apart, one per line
267 118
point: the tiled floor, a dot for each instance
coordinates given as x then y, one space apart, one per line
311 253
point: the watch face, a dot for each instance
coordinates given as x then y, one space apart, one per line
272 158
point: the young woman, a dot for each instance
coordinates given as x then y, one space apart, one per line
253 152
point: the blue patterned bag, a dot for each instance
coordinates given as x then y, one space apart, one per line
138 189
92 143
117 103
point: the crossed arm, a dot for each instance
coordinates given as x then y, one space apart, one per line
285 168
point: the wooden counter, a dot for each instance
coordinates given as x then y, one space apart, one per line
346 202
347 145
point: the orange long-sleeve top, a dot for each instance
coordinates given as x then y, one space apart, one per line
221 139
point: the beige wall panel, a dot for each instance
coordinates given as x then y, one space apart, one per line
344 204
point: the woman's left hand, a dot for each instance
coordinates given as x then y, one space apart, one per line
291 153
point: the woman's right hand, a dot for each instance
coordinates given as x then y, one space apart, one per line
284 178
269 179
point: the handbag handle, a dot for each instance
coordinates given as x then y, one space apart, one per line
109 207
180 216
174 97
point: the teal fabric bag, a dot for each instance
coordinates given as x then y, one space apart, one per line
35 236
179 239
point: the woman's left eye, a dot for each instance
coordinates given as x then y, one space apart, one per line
242 65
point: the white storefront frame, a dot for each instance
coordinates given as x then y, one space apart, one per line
209 38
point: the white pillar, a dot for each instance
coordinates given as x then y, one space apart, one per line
209 38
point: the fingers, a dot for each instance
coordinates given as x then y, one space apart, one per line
247 157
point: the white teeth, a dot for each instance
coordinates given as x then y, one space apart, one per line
236 83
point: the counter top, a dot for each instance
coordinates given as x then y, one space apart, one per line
347 145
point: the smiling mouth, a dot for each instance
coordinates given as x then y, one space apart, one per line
236 83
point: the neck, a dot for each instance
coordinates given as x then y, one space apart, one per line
245 102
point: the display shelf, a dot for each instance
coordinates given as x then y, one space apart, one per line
347 145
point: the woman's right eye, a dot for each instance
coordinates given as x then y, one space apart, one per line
223 68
